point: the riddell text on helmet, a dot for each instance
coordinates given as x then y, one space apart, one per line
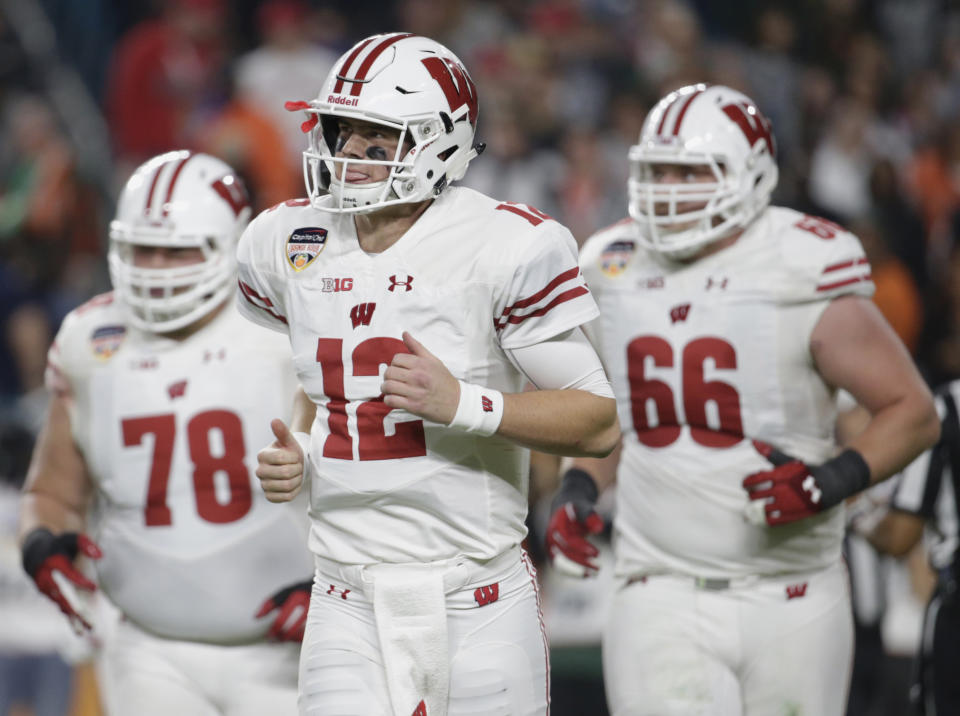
337 99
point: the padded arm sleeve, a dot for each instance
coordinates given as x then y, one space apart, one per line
564 361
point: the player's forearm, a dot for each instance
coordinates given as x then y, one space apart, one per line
897 434
566 422
896 534
43 510
303 414
603 470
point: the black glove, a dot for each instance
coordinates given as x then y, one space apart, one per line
793 490
572 519
48 559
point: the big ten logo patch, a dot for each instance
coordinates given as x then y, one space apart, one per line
335 285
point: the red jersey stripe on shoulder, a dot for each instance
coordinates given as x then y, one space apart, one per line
845 282
265 304
560 298
103 299
845 264
556 281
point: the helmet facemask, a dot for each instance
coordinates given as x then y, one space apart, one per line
177 200
410 85
694 128
167 299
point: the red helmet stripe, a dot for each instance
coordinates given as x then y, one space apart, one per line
153 185
173 181
663 117
371 58
683 111
341 75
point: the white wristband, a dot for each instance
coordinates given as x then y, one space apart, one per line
480 409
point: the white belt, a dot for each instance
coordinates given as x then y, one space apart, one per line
457 572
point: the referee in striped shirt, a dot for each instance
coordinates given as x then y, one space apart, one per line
925 505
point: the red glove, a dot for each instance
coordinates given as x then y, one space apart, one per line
793 490
572 520
48 559
293 603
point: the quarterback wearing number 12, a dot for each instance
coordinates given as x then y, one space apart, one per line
727 325
416 312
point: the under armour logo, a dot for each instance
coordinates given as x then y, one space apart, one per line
486 403
407 283
679 313
809 486
362 313
342 592
486 595
177 390
421 709
795 591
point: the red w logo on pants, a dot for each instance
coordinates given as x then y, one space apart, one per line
421 709
486 595
795 591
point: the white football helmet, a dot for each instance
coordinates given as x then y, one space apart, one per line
407 83
701 125
177 200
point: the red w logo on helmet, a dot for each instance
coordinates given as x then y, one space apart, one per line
753 124
456 85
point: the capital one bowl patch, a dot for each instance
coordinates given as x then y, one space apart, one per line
616 255
304 245
106 340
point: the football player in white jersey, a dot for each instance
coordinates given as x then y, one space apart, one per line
161 396
726 326
417 311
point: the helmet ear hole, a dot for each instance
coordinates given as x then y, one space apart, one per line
446 153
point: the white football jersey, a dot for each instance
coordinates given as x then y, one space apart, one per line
705 357
169 431
472 277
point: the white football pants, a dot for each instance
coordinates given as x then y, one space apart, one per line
146 675
497 647
757 647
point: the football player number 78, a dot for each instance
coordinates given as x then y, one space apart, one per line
206 464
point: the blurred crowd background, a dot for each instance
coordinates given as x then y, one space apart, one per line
864 96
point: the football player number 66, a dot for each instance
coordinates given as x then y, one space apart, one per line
649 395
